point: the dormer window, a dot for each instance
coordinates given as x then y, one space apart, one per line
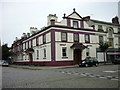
75 24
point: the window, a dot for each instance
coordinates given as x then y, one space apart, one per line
111 42
87 38
118 41
75 24
37 54
82 24
28 44
76 37
25 46
64 52
110 32
37 41
118 30
87 52
44 39
64 36
44 53
100 28
100 39
31 43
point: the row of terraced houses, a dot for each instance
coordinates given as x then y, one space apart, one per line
67 42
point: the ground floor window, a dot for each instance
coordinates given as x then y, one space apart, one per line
87 52
37 54
44 53
64 54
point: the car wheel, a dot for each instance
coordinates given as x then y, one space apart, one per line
86 65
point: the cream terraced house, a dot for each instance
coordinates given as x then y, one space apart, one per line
67 42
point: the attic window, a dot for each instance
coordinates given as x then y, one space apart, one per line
75 24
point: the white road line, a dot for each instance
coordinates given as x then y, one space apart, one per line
114 79
102 77
83 74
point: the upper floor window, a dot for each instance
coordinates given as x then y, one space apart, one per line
100 39
111 42
31 43
100 28
64 54
37 41
87 38
118 41
75 24
64 36
44 39
110 32
82 24
76 37
118 30
28 44
25 45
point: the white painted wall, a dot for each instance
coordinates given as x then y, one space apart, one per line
41 52
94 39
81 38
70 37
87 26
62 22
59 51
48 37
57 36
74 15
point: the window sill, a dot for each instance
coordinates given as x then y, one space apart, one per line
64 57
87 42
63 41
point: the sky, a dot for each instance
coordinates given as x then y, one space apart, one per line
17 16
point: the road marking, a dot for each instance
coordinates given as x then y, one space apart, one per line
102 77
110 71
114 79
91 75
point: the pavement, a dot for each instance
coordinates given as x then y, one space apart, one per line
48 67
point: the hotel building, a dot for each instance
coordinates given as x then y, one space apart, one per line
67 42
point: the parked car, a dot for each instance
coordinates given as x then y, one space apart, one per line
4 63
89 61
116 61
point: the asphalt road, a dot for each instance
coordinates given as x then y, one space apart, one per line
105 76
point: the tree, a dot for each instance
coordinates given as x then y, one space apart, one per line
104 46
6 53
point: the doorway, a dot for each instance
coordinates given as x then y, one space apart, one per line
30 57
77 56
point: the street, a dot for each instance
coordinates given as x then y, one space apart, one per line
104 76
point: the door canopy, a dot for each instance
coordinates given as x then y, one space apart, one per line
78 46
30 50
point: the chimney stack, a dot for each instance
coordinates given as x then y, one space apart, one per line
52 19
115 20
33 30
87 18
